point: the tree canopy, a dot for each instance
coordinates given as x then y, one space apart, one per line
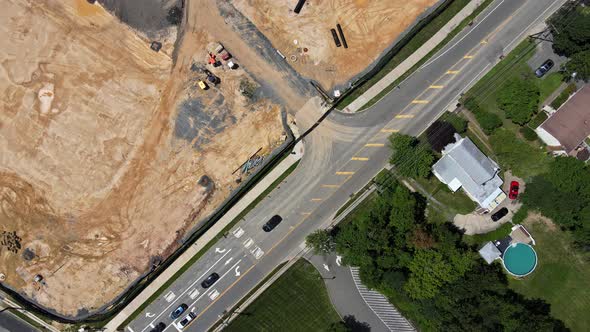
410 158
571 31
488 121
428 272
519 99
579 63
320 241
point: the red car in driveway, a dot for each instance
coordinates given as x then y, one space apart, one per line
513 190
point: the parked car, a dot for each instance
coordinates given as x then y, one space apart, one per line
159 327
183 323
513 190
178 311
544 68
500 214
272 223
211 279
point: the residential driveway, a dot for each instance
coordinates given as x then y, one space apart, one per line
544 52
350 297
475 223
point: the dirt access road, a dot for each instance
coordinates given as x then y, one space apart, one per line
370 28
109 154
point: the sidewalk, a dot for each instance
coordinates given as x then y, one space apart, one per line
413 59
227 218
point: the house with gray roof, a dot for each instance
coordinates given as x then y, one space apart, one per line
463 165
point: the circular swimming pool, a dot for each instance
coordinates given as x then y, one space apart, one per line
520 259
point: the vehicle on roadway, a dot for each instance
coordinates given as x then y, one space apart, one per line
500 214
183 323
544 68
211 279
513 190
159 327
272 223
178 311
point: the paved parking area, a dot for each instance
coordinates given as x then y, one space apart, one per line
544 52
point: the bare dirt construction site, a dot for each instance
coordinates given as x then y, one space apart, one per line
369 27
109 153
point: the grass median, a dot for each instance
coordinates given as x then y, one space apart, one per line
208 246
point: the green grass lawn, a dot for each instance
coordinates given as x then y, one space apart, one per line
296 301
561 278
455 202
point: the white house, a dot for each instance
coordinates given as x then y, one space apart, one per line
463 165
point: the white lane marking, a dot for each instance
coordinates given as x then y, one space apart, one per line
248 243
238 232
213 294
149 315
220 251
228 261
460 40
189 287
169 296
257 252
528 27
237 271
195 301
152 326
130 329
338 260
326 267
194 293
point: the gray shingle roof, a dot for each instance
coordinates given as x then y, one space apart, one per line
464 165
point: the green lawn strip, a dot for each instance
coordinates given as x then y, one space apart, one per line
442 44
250 293
196 257
353 198
497 234
561 277
548 84
297 301
416 42
455 202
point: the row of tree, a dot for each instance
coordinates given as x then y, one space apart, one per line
570 27
426 270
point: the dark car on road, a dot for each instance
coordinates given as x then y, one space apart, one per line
159 327
211 279
500 214
544 68
272 223
513 190
178 311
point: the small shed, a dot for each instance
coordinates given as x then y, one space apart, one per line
489 252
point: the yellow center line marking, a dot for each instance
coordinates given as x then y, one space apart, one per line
418 101
404 116
316 199
452 72
307 213
484 42
344 173
389 131
359 158
330 185
436 86
468 57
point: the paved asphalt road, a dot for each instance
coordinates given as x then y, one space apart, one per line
342 154
11 323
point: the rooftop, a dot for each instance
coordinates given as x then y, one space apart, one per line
570 125
464 165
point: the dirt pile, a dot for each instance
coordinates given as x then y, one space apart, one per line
95 181
369 27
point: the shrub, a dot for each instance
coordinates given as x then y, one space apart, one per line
487 121
563 96
458 122
519 99
528 133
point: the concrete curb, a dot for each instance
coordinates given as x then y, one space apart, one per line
413 59
209 235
